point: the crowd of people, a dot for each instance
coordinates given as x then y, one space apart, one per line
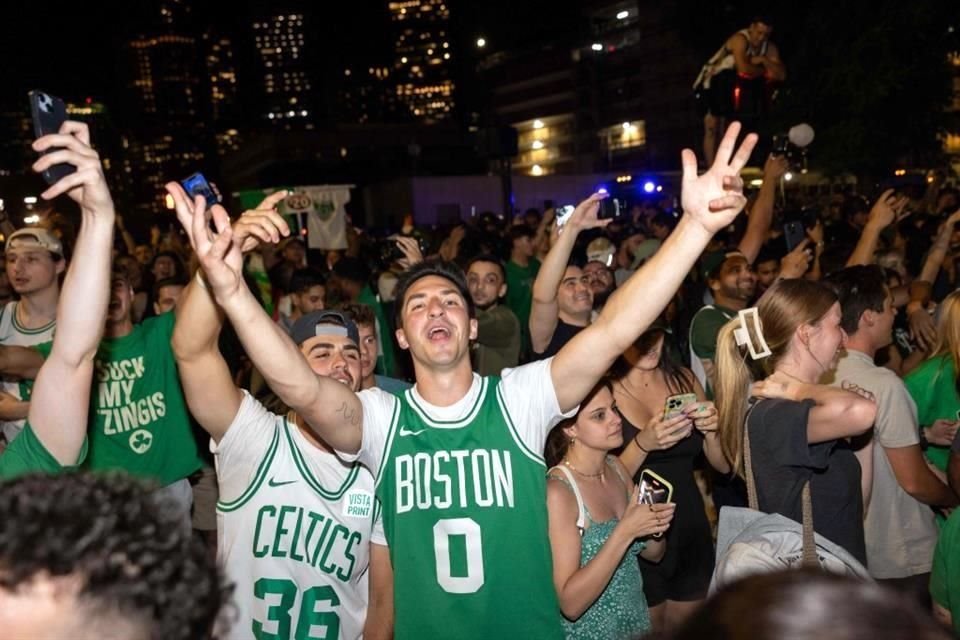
220 433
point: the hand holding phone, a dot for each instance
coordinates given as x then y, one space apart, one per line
49 113
675 404
85 183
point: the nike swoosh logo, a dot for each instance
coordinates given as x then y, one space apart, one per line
406 432
272 483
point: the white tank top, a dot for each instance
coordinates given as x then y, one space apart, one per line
13 334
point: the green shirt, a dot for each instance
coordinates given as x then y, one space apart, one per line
387 359
945 575
520 296
498 341
138 417
932 385
26 454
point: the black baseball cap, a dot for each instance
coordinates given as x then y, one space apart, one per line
325 323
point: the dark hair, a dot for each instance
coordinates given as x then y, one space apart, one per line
664 219
441 268
858 289
520 231
677 380
854 204
770 252
175 281
303 279
178 268
488 257
761 18
557 442
808 604
134 561
360 313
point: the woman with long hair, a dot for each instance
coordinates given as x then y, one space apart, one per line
935 386
798 430
647 374
597 525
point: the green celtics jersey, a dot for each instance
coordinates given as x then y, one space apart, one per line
464 510
294 525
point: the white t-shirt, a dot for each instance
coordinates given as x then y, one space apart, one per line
294 526
13 334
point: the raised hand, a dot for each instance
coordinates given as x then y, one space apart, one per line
715 198
585 215
410 248
219 256
87 186
795 264
887 209
262 224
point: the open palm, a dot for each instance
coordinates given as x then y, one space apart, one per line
715 198
219 257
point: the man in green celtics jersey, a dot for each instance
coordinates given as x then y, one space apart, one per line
55 431
458 458
297 527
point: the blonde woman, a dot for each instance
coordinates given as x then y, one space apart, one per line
934 385
798 429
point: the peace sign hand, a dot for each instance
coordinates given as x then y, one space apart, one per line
219 257
715 198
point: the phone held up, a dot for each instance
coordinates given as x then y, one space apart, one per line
197 185
654 490
49 113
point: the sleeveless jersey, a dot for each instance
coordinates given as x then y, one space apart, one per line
295 544
464 510
12 333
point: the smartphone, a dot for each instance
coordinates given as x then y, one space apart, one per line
675 404
653 488
793 234
49 113
197 185
563 213
612 209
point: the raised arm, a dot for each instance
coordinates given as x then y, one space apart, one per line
60 401
885 211
544 311
710 203
203 371
332 410
761 215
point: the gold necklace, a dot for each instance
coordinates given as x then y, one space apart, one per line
581 473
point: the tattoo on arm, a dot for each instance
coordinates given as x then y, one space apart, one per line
350 415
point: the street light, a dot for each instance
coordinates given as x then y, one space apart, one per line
596 46
623 15
30 200
481 43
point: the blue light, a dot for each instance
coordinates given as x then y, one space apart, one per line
649 187
602 190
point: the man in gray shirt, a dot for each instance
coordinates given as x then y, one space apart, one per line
899 528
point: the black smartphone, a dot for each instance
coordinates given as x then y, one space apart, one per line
49 113
793 234
198 185
612 209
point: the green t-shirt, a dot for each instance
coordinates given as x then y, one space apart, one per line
520 295
26 454
945 574
705 327
387 360
138 417
932 385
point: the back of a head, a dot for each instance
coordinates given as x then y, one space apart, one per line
948 328
807 604
859 288
784 307
128 559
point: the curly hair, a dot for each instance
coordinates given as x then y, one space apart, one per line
133 561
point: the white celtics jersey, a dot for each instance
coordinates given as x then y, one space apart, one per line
12 333
295 540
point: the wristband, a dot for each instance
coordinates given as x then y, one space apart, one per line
637 442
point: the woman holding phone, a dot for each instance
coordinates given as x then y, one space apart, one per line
597 525
668 438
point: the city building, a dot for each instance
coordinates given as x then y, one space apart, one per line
422 59
225 107
282 60
619 100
